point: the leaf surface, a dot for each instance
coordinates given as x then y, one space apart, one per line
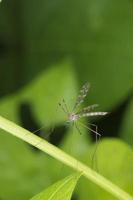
61 190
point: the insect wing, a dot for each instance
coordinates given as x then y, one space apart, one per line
88 109
82 95
91 114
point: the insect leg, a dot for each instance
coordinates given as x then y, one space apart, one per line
63 108
77 128
89 129
97 135
65 105
94 156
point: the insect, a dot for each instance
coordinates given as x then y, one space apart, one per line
75 115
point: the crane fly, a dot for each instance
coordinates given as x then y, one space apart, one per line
75 115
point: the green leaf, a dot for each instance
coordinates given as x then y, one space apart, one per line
43 94
55 152
22 170
76 143
46 91
127 125
105 58
61 190
98 38
114 160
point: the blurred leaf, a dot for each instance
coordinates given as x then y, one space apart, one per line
98 38
114 160
11 47
43 94
76 143
97 35
49 89
9 107
127 127
22 171
61 190
106 58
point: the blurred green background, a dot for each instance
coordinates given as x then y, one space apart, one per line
48 50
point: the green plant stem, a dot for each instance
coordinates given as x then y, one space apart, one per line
58 154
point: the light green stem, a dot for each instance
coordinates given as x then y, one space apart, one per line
58 154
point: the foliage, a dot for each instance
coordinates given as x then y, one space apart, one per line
29 162
48 49
61 190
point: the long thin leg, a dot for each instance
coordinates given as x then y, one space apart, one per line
65 105
97 135
90 129
94 156
94 125
62 107
39 129
77 128
72 127
41 133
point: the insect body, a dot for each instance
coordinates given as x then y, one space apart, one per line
72 117
75 115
